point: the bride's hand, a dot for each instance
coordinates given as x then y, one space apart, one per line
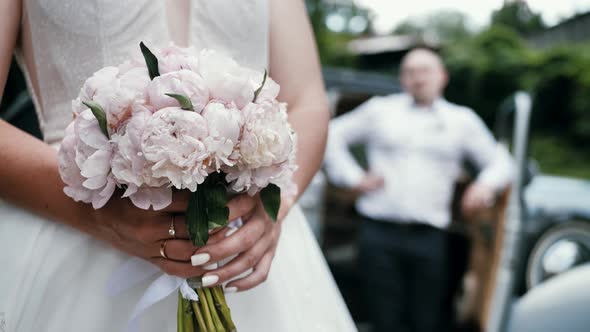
141 233
254 244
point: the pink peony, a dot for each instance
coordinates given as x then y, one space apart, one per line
227 81
117 93
173 58
95 85
270 89
130 167
132 64
174 140
183 82
155 145
84 162
243 179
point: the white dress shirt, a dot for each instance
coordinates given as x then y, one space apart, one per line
419 152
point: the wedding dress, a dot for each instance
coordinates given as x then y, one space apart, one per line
53 278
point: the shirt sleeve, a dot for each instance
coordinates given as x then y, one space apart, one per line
345 130
492 159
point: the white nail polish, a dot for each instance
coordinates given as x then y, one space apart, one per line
231 289
200 259
231 231
209 280
211 267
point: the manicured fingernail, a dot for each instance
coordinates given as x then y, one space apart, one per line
230 232
200 259
210 267
209 280
231 289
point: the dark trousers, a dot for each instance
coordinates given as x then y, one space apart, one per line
406 270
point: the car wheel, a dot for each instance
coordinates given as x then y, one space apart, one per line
559 249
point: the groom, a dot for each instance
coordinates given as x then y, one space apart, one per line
416 143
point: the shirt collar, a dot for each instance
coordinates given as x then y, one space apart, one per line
437 105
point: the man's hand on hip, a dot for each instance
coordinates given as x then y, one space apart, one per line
370 182
477 197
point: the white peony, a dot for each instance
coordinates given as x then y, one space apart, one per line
173 141
267 137
224 123
267 150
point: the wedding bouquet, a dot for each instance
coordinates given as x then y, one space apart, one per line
179 119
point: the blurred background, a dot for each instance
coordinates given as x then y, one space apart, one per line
492 49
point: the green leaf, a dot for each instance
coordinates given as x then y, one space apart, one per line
271 199
257 92
150 60
196 218
100 116
184 101
217 210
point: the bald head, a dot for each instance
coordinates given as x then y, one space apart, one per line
423 75
422 56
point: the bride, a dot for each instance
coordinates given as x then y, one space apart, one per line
57 255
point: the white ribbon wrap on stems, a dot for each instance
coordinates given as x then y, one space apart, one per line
136 270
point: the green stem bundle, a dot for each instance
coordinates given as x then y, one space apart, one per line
213 310
219 297
209 314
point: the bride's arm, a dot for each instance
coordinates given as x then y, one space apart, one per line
295 67
29 178
28 172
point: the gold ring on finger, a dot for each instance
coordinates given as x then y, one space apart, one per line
163 249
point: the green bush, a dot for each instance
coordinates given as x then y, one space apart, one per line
489 67
486 69
562 93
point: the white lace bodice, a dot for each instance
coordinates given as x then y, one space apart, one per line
64 41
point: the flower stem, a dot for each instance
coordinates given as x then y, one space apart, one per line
199 316
206 313
180 314
223 308
216 321
189 323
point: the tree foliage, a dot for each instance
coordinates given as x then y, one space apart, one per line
444 26
518 16
489 67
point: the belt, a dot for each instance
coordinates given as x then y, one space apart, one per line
409 225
